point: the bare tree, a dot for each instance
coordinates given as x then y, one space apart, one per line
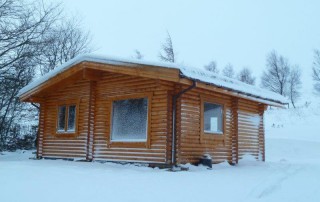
64 41
138 55
167 53
294 85
276 77
22 25
32 34
245 75
228 71
212 67
316 70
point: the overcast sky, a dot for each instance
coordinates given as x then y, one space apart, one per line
238 32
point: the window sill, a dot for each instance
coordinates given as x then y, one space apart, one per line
65 134
129 144
213 133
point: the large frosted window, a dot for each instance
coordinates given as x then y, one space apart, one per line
213 118
129 120
66 122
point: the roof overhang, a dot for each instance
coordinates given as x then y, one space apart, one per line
91 70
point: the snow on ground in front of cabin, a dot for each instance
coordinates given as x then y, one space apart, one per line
291 173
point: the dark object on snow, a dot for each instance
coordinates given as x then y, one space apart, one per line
206 160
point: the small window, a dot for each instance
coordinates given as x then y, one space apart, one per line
129 120
213 118
66 122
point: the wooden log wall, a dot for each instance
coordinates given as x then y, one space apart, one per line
250 123
262 133
41 130
113 84
188 119
92 140
91 124
235 131
62 146
244 132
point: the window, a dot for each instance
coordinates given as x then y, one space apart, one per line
61 118
213 118
129 120
66 122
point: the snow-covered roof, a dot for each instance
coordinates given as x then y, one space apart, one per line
188 72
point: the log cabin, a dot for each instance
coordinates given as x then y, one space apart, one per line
120 110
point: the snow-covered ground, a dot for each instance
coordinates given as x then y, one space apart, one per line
291 172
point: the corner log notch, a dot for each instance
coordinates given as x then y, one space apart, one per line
174 111
261 138
91 115
235 131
